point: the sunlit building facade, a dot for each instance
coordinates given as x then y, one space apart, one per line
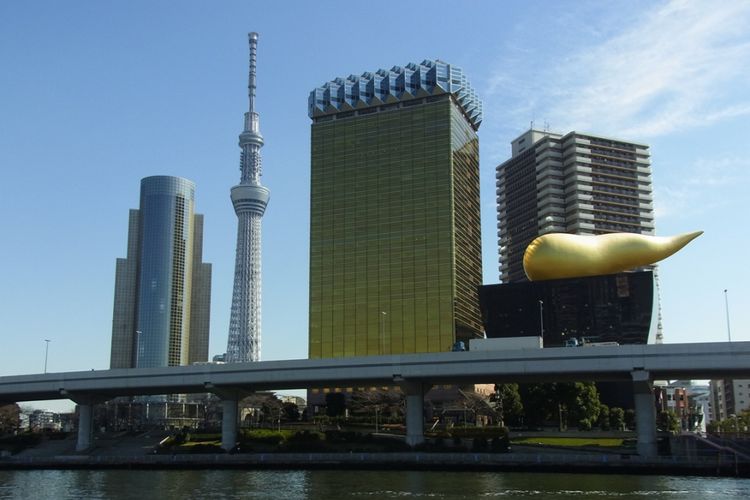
729 397
395 247
572 183
162 288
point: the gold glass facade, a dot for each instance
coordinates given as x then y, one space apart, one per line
395 246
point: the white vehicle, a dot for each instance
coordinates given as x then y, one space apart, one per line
506 343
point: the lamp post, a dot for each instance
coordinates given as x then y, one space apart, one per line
137 347
382 331
726 307
46 352
541 318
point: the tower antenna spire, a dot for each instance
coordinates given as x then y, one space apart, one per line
253 41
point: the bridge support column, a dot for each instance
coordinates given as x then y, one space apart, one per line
228 423
85 426
414 412
645 413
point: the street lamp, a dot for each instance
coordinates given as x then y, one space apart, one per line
46 352
382 331
726 306
541 318
137 347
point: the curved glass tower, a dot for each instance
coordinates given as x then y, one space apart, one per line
165 270
249 199
162 289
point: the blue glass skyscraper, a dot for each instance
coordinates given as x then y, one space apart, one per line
162 289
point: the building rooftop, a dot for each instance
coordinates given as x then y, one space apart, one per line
383 87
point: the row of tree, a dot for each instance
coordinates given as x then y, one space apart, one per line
566 404
569 404
735 424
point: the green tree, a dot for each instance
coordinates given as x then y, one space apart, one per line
538 403
617 419
9 415
562 401
507 402
603 420
335 404
630 419
291 412
586 405
668 421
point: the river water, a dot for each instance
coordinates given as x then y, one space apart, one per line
230 484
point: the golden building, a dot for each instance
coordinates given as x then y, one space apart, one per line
395 247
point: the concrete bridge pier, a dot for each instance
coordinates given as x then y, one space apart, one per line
645 413
85 426
229 423
414 411
85 404
230 397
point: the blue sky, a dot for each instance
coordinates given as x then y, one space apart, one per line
96 95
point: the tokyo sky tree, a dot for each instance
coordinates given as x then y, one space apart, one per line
249 199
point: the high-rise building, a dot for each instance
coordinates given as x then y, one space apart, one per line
729 397
572 183
249 199
162 288
395 247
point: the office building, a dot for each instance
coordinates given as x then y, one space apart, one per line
249 199
395 248
162 288
608 308
572 183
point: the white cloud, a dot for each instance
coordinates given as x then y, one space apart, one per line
679 65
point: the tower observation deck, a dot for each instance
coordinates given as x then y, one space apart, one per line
249 198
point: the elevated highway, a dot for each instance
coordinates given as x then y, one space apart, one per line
414 373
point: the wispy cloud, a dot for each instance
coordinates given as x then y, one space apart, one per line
678 65
702 187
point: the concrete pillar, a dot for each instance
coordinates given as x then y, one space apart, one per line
645 413
228 423
85 426
414 412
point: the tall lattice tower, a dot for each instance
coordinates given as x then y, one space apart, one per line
249 199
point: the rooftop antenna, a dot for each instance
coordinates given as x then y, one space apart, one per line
253 39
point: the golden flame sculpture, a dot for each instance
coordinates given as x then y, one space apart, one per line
562 255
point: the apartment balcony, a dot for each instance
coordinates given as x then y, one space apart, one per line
576 169
550 191
644 170
578 187
575 139
549 154
646 196
579 205
580 226
549 181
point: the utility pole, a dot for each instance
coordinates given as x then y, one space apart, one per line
541 318
726 307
